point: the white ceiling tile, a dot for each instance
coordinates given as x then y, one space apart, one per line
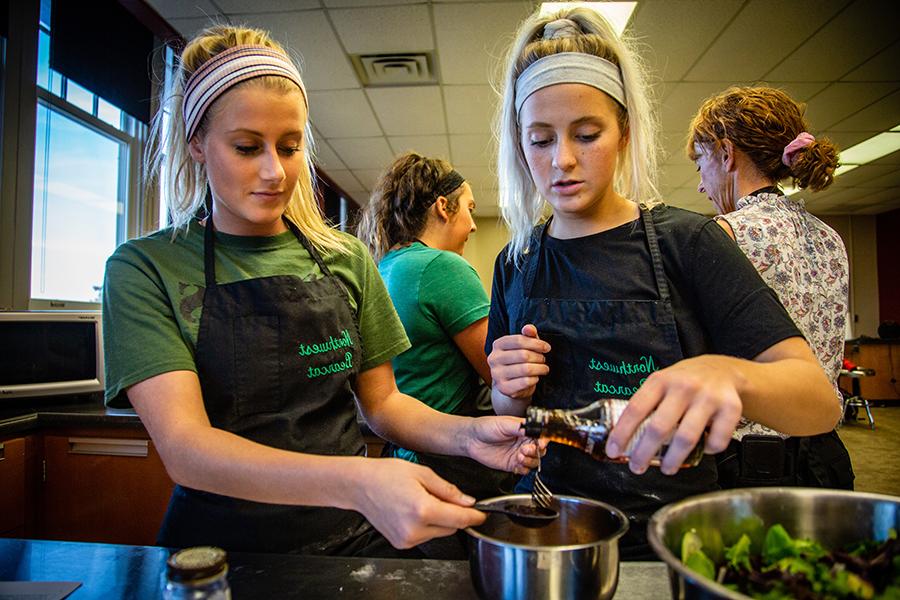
178 9
346 180
677 110
891 179
368 177
801 91
882 67
325 156
384 29
844 139
408 110
432 146
854 36
308 33
342 113
474 149
878 208
470 108
676 32
784 23
833 197
870 197
191 27
472 38
353 3
842 99
363 153
890 159
238 7
482 180
860 177
880 116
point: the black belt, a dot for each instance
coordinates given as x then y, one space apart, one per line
759 460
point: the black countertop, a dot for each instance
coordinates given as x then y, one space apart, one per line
112 571
21 417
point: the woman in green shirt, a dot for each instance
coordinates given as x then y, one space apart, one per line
416 225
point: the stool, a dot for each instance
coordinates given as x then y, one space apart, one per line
856 400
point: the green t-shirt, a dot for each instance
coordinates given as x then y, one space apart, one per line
153 298
437 294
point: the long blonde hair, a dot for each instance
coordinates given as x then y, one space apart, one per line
185 185
521 204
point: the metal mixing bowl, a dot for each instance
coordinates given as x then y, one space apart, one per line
573 557
833 518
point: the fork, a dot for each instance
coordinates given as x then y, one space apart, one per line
540 493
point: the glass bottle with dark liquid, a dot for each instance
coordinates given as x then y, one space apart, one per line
587 428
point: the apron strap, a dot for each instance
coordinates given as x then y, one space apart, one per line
308 245
655 255
209 253
537 240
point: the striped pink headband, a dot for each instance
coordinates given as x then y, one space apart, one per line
226 69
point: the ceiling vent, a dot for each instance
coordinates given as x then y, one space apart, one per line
377 70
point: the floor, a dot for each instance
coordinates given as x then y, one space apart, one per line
875 453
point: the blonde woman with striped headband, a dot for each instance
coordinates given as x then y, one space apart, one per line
605 292
245 334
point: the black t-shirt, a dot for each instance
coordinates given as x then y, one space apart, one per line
721 304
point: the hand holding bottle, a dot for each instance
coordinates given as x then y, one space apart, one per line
684 398
517 363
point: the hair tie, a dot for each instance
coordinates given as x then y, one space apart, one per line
225 70
447 184
802 140
561 28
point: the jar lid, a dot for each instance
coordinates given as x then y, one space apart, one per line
199 562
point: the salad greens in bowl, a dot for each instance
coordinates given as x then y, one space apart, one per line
777 543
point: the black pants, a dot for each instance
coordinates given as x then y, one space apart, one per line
760 460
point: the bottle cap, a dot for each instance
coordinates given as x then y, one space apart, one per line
200 562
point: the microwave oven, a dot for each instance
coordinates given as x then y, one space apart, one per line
50 353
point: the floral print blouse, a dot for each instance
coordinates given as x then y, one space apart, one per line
805 262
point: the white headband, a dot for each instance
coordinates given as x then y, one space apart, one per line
226 69
570 67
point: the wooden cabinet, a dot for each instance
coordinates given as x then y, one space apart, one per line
884 358
16 483
101 485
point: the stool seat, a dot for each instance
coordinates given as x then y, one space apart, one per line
855 400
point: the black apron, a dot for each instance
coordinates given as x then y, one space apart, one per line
262 379
606 348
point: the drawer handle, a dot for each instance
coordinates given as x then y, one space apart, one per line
2 451
109 447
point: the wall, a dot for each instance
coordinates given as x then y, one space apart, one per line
858 233
484 246
887 226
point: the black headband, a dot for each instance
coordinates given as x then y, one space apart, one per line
448 183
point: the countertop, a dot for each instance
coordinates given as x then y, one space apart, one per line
22 417
112 571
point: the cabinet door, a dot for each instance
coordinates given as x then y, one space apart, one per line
102 489
12 482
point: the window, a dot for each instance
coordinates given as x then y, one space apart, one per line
85 166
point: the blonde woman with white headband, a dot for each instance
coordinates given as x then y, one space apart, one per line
605 292
243 334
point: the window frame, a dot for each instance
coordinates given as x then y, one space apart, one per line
21 95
